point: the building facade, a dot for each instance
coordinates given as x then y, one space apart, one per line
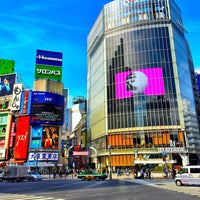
139 102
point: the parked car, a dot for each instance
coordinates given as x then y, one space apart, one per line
85 175
33 176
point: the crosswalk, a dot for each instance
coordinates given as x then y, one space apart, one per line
169 185
8 196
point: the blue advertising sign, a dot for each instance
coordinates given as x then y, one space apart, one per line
198 81
47 97
49 58
47 108
25 105
36 141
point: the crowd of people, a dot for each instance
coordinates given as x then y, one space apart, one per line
137 173
145 173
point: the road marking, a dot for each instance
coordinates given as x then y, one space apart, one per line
8 196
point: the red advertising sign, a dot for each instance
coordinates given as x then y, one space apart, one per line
12 134
22 138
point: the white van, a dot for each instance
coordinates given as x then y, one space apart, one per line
189 175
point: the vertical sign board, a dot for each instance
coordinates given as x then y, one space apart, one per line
16 98
25 105
3 125
12 134
22 138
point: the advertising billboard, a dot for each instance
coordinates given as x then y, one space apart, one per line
50 137
36 140
43 156
198 81
47 108
7 66
48 65
47 97
45 137
49 58
22 138
50 72
6 84
144 81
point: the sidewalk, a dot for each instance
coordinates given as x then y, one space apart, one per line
156 175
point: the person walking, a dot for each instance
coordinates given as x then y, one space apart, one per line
173 173
54 174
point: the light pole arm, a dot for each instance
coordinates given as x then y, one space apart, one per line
94 150
69 150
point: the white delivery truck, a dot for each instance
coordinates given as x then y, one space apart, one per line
189 175
13 173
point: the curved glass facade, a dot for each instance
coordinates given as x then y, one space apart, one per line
144 97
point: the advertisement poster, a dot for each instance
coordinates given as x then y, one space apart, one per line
22 138
7 66
45 136
6 84
145 81
50 137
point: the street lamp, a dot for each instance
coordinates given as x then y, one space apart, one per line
109 148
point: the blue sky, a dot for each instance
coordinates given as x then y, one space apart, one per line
63 26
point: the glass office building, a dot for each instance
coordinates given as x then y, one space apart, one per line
141 86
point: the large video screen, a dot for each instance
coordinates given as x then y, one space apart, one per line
148 81
46 114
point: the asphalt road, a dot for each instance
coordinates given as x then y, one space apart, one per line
74 189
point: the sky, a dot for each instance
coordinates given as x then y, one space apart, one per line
63 26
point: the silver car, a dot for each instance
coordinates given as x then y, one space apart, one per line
33 176
188 175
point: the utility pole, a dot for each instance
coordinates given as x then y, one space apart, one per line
110 166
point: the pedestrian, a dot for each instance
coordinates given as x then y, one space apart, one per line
173 173
136 174
142 172
60 173
118 172
148 172
166 173
54 174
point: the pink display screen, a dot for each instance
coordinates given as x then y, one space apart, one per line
147 81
